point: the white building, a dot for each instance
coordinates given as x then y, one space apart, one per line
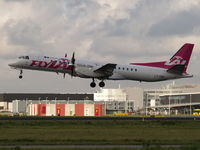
152 96
128 95
137 95
110 95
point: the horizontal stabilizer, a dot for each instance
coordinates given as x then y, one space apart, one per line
177 69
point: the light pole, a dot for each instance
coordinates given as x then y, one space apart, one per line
46 100
105 107
68 100
170 100
147 103
26 106
190 104
55 99
39 100
169 105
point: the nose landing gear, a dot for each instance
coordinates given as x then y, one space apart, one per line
20 76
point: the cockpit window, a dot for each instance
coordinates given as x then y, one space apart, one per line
24 57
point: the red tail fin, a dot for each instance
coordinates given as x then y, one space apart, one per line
182 57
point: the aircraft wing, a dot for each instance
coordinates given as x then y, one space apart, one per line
106 70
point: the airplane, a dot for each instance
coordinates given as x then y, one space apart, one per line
175 68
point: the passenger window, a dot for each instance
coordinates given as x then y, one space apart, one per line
123 68
119 68
131 69
127 69
135 69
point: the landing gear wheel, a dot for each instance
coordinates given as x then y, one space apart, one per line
20 76
21 72
101 84
93 84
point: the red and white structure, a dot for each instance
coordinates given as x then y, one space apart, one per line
65 109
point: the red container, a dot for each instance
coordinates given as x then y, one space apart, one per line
98 110
29 110
79 109
60 109
41 109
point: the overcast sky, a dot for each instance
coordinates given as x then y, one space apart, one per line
120 31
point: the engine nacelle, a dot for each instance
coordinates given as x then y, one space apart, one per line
86 71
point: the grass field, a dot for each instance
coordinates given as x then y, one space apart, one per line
144 148
157 148
100 132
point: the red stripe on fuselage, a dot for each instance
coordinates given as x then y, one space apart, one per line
153 64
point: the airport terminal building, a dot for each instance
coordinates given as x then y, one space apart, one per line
172 99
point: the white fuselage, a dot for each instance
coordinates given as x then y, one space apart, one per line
86 69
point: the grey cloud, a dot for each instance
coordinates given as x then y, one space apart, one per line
86 13
22 32
182 23
116 28
77 9
26 36
15 1
137 24
126 50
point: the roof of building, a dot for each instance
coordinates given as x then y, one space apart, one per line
43 96
177 94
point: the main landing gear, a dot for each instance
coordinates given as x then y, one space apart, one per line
101 84
93 84
20 75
